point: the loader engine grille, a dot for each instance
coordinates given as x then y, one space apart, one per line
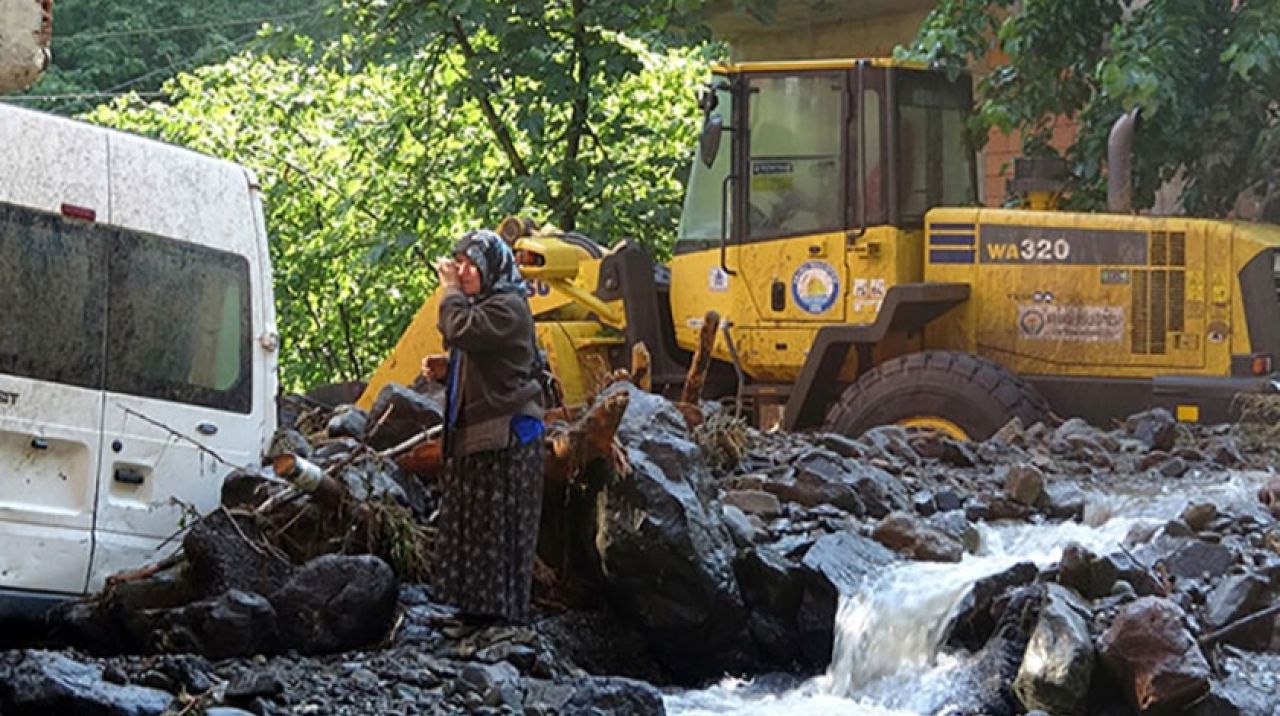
1159 294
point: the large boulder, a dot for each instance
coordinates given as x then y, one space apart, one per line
1058 663
1155 429
399 413
1237 597
42 682
1150 654
772 587
335 603
836 565
233 624
974 618
911 537
1087 573
666 557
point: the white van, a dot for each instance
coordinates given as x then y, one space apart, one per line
137 341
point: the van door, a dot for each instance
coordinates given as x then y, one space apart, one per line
52 319
180 409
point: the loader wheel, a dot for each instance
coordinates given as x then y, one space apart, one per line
962 395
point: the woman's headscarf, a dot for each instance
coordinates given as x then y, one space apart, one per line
493 257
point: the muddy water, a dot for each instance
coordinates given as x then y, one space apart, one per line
887 657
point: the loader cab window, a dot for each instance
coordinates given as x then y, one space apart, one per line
700 220
935 159
794 163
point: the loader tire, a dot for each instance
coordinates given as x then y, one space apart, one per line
958 393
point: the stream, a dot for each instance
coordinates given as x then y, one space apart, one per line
887 656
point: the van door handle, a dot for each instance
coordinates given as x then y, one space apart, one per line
207 429
39 444
129 476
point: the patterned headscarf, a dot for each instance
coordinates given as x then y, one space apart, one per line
493 257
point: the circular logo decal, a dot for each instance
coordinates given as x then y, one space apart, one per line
815 286
1031 323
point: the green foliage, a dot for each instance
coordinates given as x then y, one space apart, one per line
372 165
1205 73
102 47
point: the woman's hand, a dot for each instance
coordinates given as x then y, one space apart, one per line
435 367
448 270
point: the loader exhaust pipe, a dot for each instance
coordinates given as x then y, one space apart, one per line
1120 162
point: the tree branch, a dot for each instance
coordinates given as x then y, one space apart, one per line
567 201
499 128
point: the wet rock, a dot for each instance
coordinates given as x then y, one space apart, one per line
1024 484
1174 467
1196 558
399 413
999 507
819 478
986 686
235 623
1150 654
647 414
1129 571
1155 429
1269 496
836 564
42 682
753 502
974 618
597 695
891 443
1236 597
906 535
956 526
348 422
1057 666
335 603
842 445
1198 516
666 559
1222 450
1089 575
772 587
933 445
1063 501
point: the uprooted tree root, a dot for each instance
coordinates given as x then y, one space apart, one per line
723 439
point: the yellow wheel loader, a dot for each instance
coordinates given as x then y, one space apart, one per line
836 234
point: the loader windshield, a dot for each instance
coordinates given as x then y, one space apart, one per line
701 220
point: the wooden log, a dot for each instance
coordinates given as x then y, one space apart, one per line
641 372
697 376
570 448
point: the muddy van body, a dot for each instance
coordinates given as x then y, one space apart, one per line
137 347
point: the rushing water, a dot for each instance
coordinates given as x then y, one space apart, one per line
887 656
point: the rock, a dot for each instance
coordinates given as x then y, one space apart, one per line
647 414
1000 507
1010 433
956 526
842 445
42 682
836 564
923 503
1085 572
1150 654
252 684
220 557
1236 597
948 500
819 478
226 711
1063 501
1174 467
1058 664
348 422
1137 576
892 444
335 603
399 413
1155 429
1269 496
1196 558
772 588
593 696
753 502
1024 483
489 680
233 624
243 488
743 531
933 445
666 559
905 535
1199 515
1222 450
974 618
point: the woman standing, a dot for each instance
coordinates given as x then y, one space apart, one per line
493 433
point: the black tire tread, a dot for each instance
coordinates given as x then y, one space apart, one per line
1014 396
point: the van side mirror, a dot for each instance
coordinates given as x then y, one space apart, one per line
709 142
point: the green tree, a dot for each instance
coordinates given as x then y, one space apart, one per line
369 168
1205 73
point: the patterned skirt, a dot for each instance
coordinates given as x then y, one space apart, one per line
488 531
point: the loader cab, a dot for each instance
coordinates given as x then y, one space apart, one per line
807 197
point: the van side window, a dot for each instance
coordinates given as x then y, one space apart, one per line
52 302
178 324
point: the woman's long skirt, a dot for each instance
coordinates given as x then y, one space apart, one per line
489 531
